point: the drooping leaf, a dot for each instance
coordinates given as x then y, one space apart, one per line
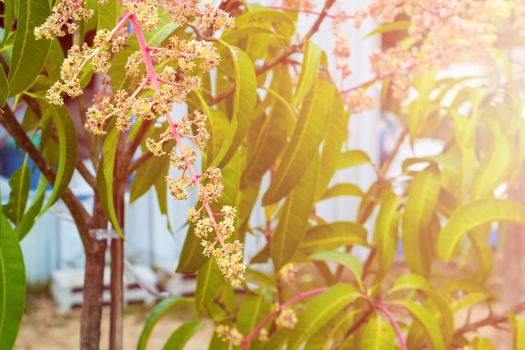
243 104
345 259
105 178
147 175
352 158
474 214
320 310
29 54
482 344
426 321
518 324
182 335
343 189
293 220
19 194
389 27
422 199
309 71
334 139
387 232
28 220
161 309
12 284
305 142
67 151
272 138
209 283
377 334
253 308
331 236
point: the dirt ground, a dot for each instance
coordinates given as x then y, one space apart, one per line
44 328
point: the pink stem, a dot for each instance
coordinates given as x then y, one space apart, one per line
246 341
395 325
154 79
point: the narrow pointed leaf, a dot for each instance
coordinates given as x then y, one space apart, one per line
209 283
19 183
29 54
320 310
305 142
161 309
243 104
474 214
427 322
182 335
331 236
12 284
421 203
309 71
293 220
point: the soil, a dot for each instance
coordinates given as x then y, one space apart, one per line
44 328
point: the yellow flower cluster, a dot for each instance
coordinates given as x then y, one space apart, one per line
287 318
182 62
63 19
228 334
146 12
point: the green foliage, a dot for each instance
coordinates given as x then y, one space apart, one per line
12 284
279 137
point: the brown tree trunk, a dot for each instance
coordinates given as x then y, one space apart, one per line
117 263
93 288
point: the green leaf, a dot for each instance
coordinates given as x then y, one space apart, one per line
309 71
12 284
423 317
243 104
344 189
474 214
346 259
389 27
518 324
147 175
29 54
19 194
305 142
352 158
377 335
182 335
105 178
420 107
253 308
272 138
387 232
320 310
67 151
420 206
332 236
107 15
494 167
334 139
209 283
293 220
4 87
29 218
482 344
161 309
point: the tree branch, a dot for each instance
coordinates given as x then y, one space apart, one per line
491 320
